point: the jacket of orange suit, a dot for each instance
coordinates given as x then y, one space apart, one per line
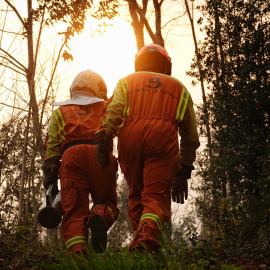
71 138
147 112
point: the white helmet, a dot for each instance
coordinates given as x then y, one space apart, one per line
91 82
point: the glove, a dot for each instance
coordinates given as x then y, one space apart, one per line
180 184
103 148
51 169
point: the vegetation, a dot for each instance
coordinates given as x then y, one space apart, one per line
234 169
22 248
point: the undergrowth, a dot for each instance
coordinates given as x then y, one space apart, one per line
21 248
122 259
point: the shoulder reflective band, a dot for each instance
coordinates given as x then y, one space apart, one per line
125 91
61 123
75 240
153 217
182 105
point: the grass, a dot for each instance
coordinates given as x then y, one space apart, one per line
123 260
167 258
22 249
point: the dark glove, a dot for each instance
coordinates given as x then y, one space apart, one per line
180 184
51 169
103 148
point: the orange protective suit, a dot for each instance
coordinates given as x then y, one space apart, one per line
71 137
147 112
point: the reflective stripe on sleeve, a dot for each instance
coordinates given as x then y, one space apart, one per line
182 105
75 240
61 123
154 218
126 96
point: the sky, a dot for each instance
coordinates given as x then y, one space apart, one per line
112 54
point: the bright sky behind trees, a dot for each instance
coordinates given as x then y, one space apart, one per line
112 53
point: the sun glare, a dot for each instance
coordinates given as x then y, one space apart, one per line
110 54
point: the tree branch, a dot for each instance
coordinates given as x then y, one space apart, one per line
17 13
14 107
14 92
38 39
146 24
12 69
22 66
10 32
3 57
173 19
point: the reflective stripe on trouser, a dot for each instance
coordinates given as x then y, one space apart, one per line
154 218
75 240
147 235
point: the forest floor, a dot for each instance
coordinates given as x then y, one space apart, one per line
248 263
245 255
21 248
187 259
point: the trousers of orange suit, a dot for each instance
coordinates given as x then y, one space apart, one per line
148 160
80 176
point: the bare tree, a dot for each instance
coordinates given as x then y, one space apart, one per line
149 18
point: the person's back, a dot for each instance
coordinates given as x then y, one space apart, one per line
155 95
79 122
158 100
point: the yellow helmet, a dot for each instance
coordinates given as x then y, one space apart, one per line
91 82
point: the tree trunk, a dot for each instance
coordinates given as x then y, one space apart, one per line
31 77
137 24
200 74
158 38
139 21
21 202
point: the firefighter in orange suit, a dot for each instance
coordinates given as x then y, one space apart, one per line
71 141
148 110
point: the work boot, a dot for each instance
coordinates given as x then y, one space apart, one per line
98 233
101 218
146 237
79 249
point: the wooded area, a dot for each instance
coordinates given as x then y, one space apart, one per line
232 179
